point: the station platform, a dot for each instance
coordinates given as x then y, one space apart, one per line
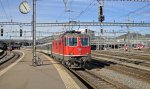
50 75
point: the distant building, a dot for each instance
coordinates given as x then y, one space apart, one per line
44 40
89 32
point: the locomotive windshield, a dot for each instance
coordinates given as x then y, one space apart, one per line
72 41
85 41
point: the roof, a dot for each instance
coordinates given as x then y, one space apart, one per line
73 33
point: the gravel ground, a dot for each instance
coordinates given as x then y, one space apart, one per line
97 82
133 55
129 81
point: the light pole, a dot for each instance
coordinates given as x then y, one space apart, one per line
129 43
34 60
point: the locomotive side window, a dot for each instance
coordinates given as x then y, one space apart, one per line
85 41
72 42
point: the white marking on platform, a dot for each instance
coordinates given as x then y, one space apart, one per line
68 81
10 66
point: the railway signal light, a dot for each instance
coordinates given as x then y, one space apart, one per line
2 32
101 10
20 32
86 31
101 16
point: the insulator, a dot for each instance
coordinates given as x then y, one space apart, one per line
101 18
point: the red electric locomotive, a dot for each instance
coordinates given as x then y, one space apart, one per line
72 48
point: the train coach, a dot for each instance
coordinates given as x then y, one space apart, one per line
72 49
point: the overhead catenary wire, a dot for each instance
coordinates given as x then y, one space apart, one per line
82 12
141 8
131 0
137 10
4 9
133 11
90 6
71 2
87 8
11 17
63 12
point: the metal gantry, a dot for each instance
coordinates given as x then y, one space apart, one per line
130 0
74 23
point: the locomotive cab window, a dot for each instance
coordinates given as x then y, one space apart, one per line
85 41
72 41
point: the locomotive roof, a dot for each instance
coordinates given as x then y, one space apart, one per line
73 34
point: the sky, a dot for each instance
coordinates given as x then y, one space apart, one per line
81 10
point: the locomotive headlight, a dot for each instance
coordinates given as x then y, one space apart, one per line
71 53
88 53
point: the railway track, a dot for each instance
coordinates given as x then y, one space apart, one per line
123 63
132 54
93 78
92 81
123 58
145 51
137 69
138 73
95 81
8 58
3 55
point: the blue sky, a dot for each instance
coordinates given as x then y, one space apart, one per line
52 10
